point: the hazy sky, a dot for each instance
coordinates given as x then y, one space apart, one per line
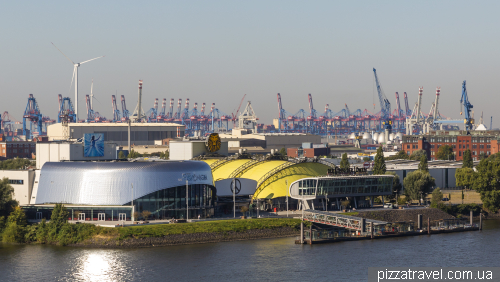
217 51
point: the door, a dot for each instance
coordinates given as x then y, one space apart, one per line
38 215
122 216
101 216
81 216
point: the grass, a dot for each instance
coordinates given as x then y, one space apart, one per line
222 226
350 213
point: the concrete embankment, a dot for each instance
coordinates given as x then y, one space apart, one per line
194 238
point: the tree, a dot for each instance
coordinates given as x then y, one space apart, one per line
133 154
283 152
379 165
465 177
121 155
7 203
344 163
164 155
417 155
396 185
423 166
366 159
482 156
15 229
58 218
445 152
487 182
437 197
467 159
146 214
418 184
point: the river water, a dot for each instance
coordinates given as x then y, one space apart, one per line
254 260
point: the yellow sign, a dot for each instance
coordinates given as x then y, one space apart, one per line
213 143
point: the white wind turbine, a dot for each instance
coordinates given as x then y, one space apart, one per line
75 77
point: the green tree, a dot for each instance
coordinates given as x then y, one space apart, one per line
418 184
396 185
165 155
121 155
16 163
7 203
465 177
417 155
467 159
482 156
15 229
133 154
366 159
437 197
487 182
344 163
423 166
379 165
58 218
445 152
283 152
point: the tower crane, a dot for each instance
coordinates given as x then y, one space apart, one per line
464 101
34 116
399 111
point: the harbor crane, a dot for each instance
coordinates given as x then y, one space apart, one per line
467 106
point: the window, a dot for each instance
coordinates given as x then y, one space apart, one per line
26 150
14 151
474 146
14 181
407 147
460 153
474 153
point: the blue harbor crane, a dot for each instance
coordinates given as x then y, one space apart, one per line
385 105
34 116
464 101
65 108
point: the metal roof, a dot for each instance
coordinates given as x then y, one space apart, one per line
110 183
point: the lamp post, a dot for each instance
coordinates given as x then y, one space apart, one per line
187 201
234 197
132 216
286 184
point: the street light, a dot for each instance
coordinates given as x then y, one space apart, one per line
286 184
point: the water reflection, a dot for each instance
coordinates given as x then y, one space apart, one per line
270 259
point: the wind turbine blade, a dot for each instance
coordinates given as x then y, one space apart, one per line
91 60
72 78
91 87
97 100
63 53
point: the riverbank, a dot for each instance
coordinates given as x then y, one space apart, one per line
100 241
193 233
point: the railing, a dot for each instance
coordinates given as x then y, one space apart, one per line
245 167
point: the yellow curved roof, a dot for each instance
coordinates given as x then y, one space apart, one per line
210 161
276 184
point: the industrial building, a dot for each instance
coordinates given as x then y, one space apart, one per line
187 150
17 149
140 133
22 180
115 190
70 151
269 140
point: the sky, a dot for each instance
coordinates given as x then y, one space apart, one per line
217 51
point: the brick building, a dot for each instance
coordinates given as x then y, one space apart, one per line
17 149
476 143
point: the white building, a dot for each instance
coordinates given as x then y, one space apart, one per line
22 181
70 151
186 150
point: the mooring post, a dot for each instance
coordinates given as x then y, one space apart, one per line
302 232
480 221
471 218
419 222
311 234
371 229
429 225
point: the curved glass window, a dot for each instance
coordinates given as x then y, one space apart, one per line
171 202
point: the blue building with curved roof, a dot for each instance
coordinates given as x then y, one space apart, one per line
104 190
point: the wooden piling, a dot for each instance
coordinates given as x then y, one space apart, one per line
471 216
371 229
302 232
428 225
480 221
311 234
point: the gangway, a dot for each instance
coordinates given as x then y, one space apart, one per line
341 220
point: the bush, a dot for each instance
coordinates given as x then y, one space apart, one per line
13 233
401 201
463 209
377 200
437 197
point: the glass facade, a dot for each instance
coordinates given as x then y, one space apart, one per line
171 202
342 186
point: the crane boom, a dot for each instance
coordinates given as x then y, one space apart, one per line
398 104
385 105
407 108
467 107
